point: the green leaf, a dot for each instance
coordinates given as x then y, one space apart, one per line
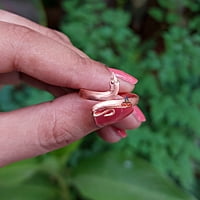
157 14
27 180
166 4
172 18
17 173
115 176
27 192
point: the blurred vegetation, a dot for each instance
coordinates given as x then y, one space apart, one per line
158 42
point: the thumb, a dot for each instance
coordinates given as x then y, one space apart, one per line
41 128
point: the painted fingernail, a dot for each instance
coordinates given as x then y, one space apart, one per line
119 132
139 114
119 114
124 76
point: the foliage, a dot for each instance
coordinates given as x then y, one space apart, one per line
185 13
170 138
115 175
12 98
97 177
45 177
168 81
103 36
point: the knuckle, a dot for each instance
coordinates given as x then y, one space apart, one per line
21 32
79 62
51 34
56 134
62 36
55 35
23 37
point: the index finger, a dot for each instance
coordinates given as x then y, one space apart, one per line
27 51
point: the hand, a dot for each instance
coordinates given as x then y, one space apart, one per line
46 59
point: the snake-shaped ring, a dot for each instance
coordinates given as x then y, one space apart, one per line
109 102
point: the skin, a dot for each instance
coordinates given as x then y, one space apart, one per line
46 59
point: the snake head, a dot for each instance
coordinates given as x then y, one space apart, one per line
114 79
114 85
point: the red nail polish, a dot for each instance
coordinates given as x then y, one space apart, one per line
139 114
120 113
121 133
124 76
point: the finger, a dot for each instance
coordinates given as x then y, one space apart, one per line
41 128
29 52
15 78
67 42
18 20
111 134
132 121
53 34
117 131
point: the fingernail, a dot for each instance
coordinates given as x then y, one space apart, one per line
120 113
119 132
139 114
124 76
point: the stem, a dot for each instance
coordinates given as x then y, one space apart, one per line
65 193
